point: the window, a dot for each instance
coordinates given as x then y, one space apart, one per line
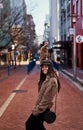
79 7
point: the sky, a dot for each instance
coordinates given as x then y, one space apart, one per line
39 9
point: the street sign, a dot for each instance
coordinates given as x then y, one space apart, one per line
79 39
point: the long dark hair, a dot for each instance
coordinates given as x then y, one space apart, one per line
51 72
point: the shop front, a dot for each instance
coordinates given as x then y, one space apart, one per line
65 52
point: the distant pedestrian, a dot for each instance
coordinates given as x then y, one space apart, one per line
44 52
48 86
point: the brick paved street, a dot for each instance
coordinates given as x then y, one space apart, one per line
69 102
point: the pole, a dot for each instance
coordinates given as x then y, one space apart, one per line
74 56
9 70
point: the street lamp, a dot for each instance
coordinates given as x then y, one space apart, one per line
12 53
45 30
74 18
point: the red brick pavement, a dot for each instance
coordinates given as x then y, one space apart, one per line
4 71
69 103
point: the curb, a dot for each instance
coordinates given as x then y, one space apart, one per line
78 80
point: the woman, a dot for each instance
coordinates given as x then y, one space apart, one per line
44 52
48 87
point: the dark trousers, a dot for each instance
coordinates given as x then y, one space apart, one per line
35 122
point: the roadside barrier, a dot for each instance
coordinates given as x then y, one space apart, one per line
30 66
56 65
8 70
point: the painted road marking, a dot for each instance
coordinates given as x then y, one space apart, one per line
9 99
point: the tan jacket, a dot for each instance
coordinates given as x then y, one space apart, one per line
44 54
47 91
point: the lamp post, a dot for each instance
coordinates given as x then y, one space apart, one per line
45 30
13 56
74 18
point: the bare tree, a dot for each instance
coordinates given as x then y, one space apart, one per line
7 25
12 32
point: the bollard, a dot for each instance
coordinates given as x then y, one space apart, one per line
8 70
30 66
56 65
27 69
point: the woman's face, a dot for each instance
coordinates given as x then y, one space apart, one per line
44 69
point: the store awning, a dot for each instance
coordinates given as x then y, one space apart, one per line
62 44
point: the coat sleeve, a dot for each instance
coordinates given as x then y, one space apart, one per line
44 54
47 97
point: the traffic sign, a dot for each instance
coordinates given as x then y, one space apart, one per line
79 39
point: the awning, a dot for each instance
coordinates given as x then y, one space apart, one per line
62 44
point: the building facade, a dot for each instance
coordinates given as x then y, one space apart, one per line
77 8
67 9
18 12
54 28
5 11
47 29
54 21
65 20
31 32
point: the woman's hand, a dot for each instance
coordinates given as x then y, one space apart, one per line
45 44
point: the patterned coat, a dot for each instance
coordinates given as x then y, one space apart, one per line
47 91
44 54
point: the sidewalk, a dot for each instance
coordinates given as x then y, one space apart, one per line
69 72
6 71
18 93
